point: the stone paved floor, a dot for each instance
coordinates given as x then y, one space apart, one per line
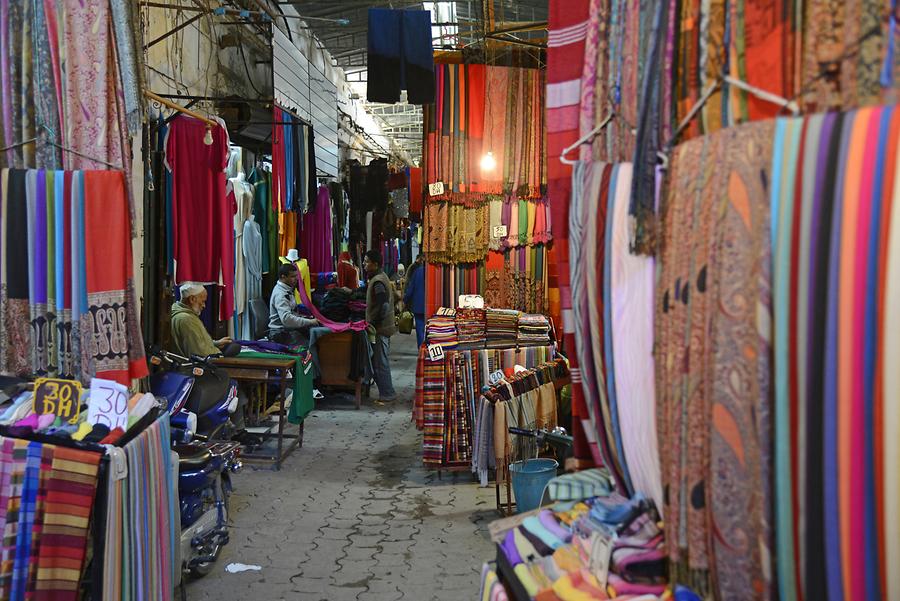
353 514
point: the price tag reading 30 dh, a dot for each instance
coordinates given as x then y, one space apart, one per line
61 398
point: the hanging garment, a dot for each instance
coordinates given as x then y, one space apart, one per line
315 235
242 194
117 346
16 332
252 250
400 56
203 226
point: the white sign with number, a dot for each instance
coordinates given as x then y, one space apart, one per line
435 352
436 189
500 231
497 377
470 301
108 404
601 551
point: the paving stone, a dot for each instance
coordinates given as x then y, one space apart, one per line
355 515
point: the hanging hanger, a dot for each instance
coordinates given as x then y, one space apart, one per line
738 83
42 138
177 107
585 139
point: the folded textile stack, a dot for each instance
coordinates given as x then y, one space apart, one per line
549 551
441 329
471 325
502 328
534 328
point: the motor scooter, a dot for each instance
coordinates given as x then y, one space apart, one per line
195 385
205 463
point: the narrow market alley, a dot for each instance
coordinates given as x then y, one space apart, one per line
353 514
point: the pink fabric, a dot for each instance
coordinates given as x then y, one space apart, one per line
315 235
92 111
334 326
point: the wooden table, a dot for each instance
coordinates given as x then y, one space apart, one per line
261 372
334 352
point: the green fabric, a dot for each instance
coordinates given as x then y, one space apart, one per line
188 333
303 402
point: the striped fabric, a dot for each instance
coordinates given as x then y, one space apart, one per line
71 487
142 521
836 418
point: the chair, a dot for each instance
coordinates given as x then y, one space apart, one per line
259 318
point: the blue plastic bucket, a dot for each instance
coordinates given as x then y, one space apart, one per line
529 478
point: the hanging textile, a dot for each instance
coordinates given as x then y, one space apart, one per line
400 55
203 217
315 235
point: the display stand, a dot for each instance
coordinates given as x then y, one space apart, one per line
335 356
262 371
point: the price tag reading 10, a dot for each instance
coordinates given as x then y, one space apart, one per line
435 352
61 398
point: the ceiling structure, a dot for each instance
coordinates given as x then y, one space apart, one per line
496 26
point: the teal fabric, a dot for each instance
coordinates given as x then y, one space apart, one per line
302 403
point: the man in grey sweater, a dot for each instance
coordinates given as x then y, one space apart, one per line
285 326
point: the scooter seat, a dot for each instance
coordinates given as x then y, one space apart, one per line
192 456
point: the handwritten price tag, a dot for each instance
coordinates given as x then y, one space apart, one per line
470 301
108 404
497 377
436 189
601 551
61 398
435 352
500 231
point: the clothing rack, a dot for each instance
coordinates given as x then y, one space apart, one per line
177 107
517 390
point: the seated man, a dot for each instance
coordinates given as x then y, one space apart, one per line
285 326
191 338
188 333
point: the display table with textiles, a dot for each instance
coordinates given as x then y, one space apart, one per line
447 395
83 520
469 329
601 546
262 369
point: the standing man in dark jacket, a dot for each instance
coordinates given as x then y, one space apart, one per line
380 315
414 296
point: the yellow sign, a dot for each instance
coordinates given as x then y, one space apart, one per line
61 398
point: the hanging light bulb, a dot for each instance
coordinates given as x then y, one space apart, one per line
488 162
207 139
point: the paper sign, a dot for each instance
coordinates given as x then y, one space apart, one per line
436 189
108 404
500 231
445 312
497 377
61 398
601 551
435 352
470 301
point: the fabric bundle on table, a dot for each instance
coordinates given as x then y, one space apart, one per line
533 329
502 327
67 303
441 329
470 325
